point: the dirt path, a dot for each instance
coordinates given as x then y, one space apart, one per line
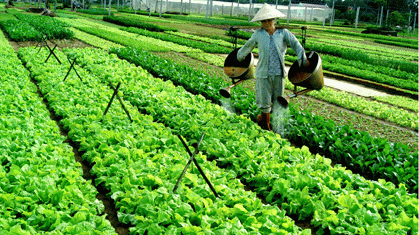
353 88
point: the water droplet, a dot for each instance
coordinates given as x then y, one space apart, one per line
226 103
279 119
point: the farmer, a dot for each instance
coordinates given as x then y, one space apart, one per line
270 70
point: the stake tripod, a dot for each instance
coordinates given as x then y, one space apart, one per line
115 93
52 53
193 159
72 67
43 41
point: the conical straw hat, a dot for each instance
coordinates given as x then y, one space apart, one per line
267 12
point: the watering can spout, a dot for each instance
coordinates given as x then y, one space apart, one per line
284 100
225 92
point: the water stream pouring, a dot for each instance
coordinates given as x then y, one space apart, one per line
237 71
310 77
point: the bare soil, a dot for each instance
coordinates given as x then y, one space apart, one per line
65 43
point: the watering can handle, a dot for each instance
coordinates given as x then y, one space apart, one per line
311 54
309 57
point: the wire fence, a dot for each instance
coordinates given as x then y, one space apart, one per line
328 15
301 12
217 8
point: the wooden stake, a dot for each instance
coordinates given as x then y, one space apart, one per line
52 52
115 93
192 159
72 67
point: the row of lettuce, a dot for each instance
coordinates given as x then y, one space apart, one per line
41 185
407 54
326 132
384 39
304 185
139 162
28 27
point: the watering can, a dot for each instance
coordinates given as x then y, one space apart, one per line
310 77
237 71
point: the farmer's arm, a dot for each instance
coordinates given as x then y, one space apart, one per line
298 49
247 48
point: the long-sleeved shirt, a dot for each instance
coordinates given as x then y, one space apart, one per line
274 67
261 38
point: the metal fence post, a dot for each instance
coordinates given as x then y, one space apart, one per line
332 17
408 26
381 16
311 15
289 13
357 17
250 8
207 9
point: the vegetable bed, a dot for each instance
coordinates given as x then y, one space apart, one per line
139 162
302 184
42 190
374 157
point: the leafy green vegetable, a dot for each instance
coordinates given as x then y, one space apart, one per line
238 144
41 185
128 159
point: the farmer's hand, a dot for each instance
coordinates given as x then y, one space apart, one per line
306 64
305 67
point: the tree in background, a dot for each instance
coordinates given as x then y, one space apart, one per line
402 5
396 18
379 3
349 16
